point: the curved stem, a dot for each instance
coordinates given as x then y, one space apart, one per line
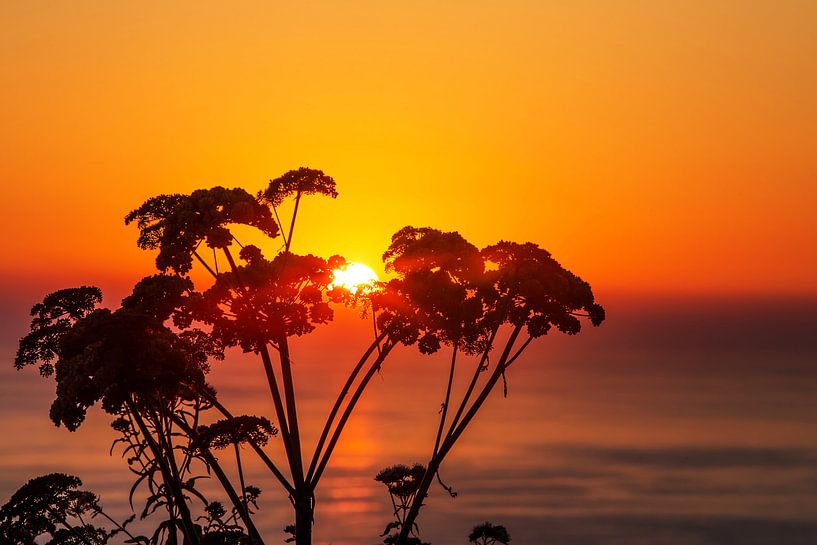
258 450
170 483
434 463
224 481
348 411
292 414
474 380
206 266
241 476
339 401
292 224
483 395
445 403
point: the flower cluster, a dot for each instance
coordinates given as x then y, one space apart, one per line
236 430
303 181
448 292
177 224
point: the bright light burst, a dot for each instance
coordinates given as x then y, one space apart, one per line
353 277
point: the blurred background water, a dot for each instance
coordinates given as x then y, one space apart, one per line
678 422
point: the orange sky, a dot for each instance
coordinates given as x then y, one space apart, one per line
668 148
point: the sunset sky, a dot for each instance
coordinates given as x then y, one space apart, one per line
666 152
652 147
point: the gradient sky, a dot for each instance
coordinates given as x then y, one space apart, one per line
652 147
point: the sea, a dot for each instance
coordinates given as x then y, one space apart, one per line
682 420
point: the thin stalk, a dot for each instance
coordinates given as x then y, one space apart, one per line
474 381
261 454
518 352
279 410
206 266
346 413
339 401
234 267
434 463
241 476
275 211
374 327
292 414
225 482
295 466
166 442
292 224
445 403
119 526
187 521
486 390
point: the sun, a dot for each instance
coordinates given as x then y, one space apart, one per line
353 276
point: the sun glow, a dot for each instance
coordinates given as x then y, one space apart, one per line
354 276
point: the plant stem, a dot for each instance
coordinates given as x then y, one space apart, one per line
445 403
348 411
486 390
292 224
291 406
187 521
241 478
339 401
275 211
434 463
295 466
224 481
206 266
261 454
474 380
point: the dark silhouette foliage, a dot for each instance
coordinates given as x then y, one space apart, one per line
51 320
236 430
489 534
433 299
303 181
56 506
402 482
267 300
177 224
146 363
449 293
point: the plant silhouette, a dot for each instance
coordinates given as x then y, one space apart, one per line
259 303
450 293
147 362
54 505
402 483
489 534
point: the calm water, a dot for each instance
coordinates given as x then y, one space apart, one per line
685 423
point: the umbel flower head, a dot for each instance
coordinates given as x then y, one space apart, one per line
401 480
526 286
114 357
236 430
176 224
52 318
433 299
40 505
303 181
448 292
288 295
489 534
